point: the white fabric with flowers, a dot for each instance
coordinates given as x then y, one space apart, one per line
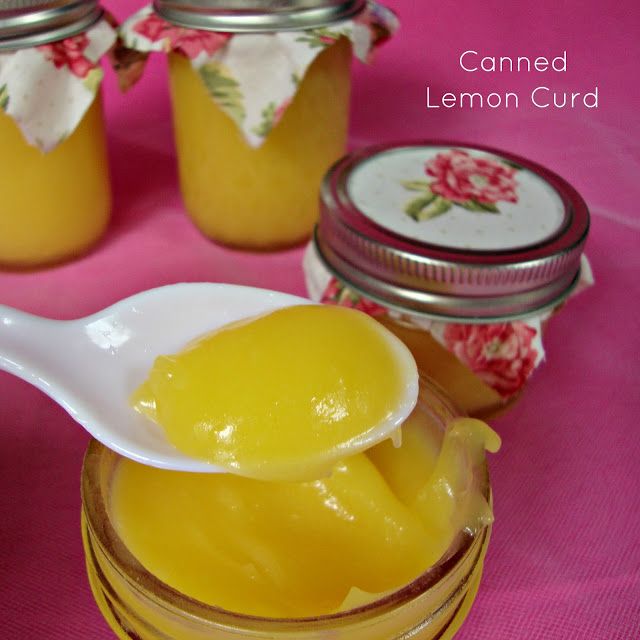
47 89
253 77
503 355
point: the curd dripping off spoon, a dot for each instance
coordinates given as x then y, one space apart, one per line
91 366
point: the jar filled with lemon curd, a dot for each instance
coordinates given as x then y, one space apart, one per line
260 95
463 252
437 449
54 176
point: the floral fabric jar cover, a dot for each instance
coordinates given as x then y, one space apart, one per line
448 203
48 88
253 77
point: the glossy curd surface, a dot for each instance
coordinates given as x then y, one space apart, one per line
287 550
265 197
285 395
54 205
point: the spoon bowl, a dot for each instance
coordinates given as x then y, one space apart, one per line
91 366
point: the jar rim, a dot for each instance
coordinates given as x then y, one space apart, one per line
249 16
368 246
25 24
127 565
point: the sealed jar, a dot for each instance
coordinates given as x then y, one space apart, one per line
260 95
54 175
137 604
464 252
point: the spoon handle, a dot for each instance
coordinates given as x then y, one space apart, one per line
31 347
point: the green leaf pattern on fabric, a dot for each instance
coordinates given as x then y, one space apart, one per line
93 79
224 89
268 121
4 97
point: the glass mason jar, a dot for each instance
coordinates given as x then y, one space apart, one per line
463 252
137 605
55 204
265 197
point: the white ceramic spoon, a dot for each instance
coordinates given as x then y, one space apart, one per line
90 366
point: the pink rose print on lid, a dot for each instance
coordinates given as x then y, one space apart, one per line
191 42
70 53
460 178
337 293
476 184
502 355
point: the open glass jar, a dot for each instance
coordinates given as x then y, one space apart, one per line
138 605
260 95
463 252
54 175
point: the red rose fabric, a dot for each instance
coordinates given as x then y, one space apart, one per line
502 355
190 42
69 52
337 293
461 178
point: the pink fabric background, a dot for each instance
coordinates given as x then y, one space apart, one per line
564 563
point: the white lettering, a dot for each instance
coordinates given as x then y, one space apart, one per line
496 102
429 105
449 100
560 105
534 97
561 63
507 64
541 64
471 97
504 61
488 64
462 57
593 102
515 99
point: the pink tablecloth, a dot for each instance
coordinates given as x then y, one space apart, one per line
564 562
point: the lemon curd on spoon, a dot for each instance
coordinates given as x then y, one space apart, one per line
285 395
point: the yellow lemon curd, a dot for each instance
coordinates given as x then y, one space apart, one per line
366 525
285 395
264 197
57 204
289 549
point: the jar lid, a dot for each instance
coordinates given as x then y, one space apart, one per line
252 15
28 23
452 231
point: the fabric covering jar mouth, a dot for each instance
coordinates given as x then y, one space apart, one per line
136 604
260 96
55 177
463 251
